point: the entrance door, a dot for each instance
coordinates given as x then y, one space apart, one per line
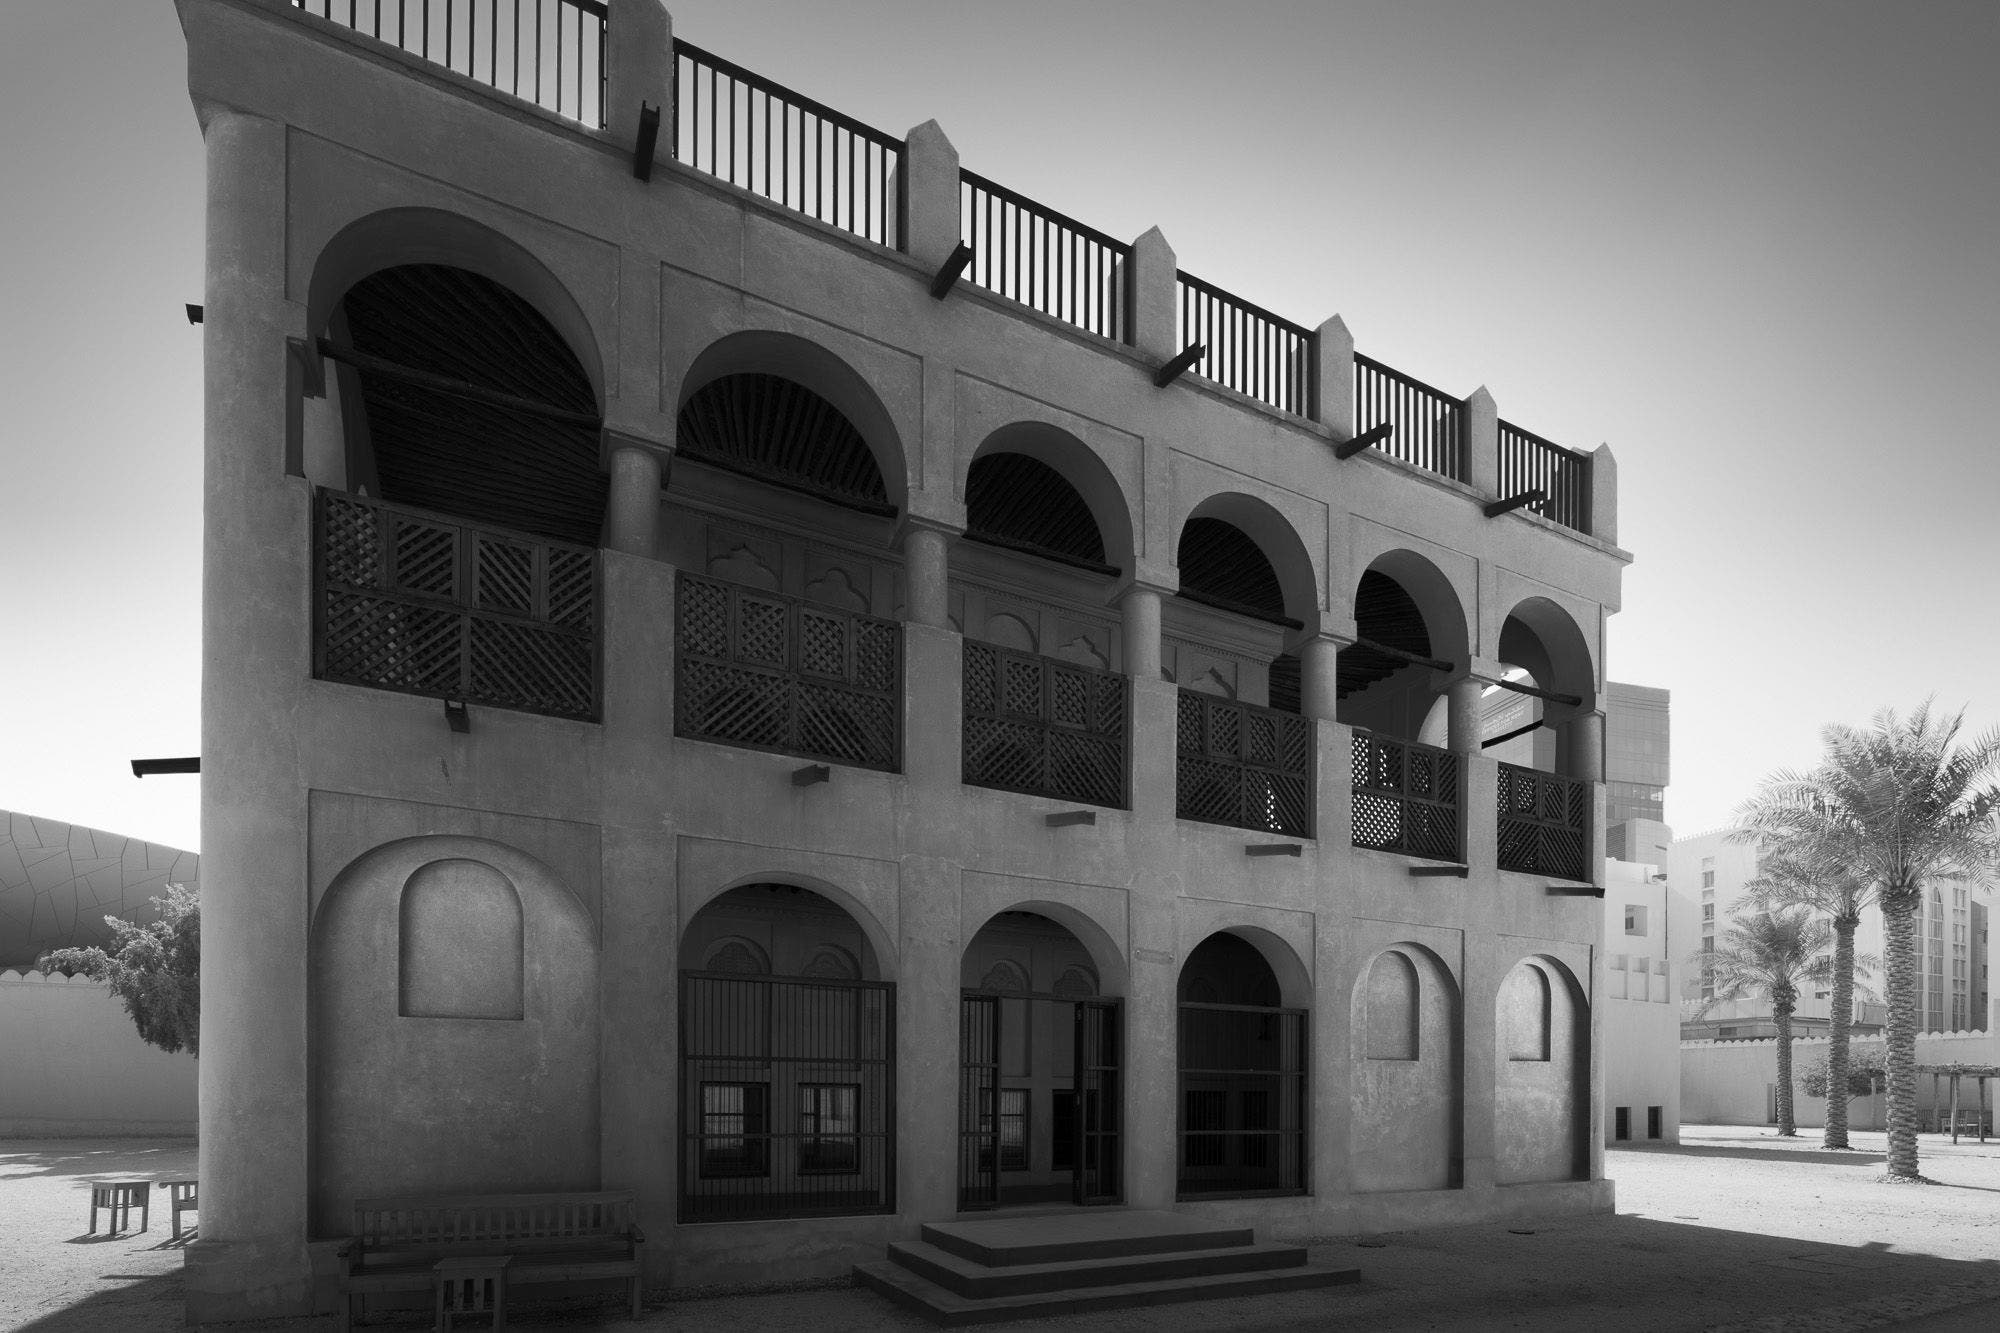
1038 1123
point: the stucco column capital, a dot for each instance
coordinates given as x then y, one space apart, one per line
611 440
909 525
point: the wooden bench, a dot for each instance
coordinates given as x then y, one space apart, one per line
397 1243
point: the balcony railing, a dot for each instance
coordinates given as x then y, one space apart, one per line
1406 797
1250 350
760 135
769 672
1243 765
427 604
1528 462
549 52
1428 422
1544 822
1045 727
1030 253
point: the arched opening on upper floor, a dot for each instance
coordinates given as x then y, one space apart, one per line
457 395
1243 1059
1036 489
1407 618
777 409
1543 649
786 1106
1247 587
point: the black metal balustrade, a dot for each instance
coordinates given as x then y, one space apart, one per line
769 672
1250 350
758 134
1528 462
1243 765
423 603
788 1097
1030 253
1243 1100
1406 797
1045 727
549 52
1429 422
1544 820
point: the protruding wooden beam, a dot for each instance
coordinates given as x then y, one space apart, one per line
1518 688
1180 365
947 274
1374 435
1066 818
1439 872
649 137
1271 849
194 313
810 774
1503 739
456 717
1576 890
1495 508
1404 655
143 767
375 365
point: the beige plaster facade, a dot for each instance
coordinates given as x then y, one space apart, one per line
581 875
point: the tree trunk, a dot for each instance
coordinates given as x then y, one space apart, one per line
1899 909
1781 1010
1838 1031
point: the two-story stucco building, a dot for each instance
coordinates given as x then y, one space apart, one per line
749 663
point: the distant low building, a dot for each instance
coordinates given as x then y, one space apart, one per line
59 881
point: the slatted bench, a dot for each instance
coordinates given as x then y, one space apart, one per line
397 1243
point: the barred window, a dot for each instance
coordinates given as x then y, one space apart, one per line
735 1128
827 1124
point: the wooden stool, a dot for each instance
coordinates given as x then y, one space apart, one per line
183 1198
477 1285
118 1196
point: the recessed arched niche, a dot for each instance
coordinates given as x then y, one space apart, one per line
459 943
1406 1126
1541 1101
1394 1019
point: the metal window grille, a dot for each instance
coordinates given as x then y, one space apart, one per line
1428 421
1249 349
1543 820
1406 797
1043 726
1243 1100
549 52
788 1097
1243 765
760 135
770 672
1529 462
1030 253
423 603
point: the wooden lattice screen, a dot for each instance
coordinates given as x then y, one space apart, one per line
1543 822
770 672
1406 797
1046 727
418 602
1244 765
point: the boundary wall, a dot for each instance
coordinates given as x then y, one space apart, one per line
76 1067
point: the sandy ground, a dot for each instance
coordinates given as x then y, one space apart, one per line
1734 1229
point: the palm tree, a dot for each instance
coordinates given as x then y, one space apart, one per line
1902 805
1797 871
1772 952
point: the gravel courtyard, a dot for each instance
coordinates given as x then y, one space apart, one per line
1733 1229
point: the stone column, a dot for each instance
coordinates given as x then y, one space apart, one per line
926 573
632 518
1319 676
1585 734
1334 346
1482 443
929 190
1140 604
1465 700
256 635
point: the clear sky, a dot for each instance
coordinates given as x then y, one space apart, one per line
1751 246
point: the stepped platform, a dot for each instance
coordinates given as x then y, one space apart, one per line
1032 1265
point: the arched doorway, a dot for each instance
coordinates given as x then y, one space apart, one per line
1243 1112
1040 1103
787 1099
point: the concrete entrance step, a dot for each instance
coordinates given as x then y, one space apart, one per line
1096 1233
968 1277
949 1309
